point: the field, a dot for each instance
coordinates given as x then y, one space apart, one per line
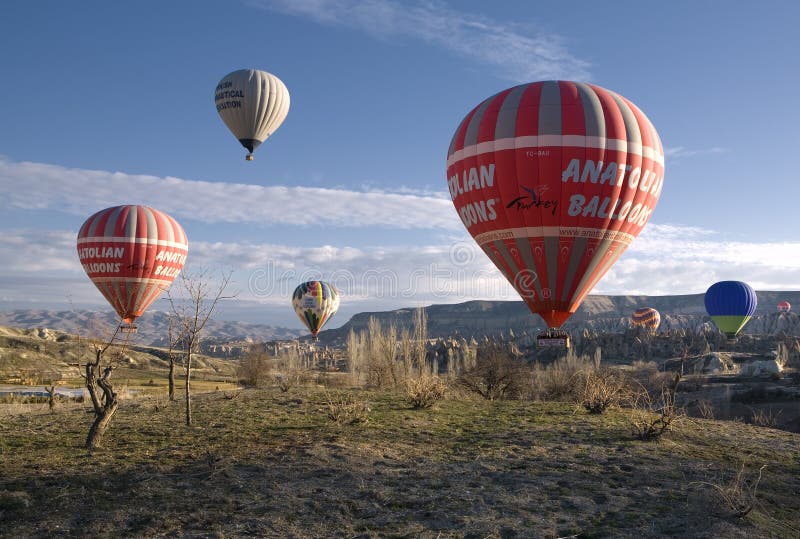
272 464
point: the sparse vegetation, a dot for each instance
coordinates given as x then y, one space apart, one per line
650 417
346 409
254 368
602 388
425 391
737 494
497 374
581 472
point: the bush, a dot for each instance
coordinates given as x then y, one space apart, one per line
602 388
649 417
425 391
497 374
344 409
254 369
562 380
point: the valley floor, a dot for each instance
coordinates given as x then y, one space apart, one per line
269 464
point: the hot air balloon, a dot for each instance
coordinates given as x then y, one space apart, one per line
253 104
784 307
646 317
554 180
730 305
132 254
315 302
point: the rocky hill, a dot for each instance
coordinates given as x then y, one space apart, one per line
597 313
222 337
42 356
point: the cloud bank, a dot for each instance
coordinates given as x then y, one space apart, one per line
38 186
665 259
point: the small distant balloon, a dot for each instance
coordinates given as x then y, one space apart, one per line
730 304
315 302
132 254
646 317
253 104
784 307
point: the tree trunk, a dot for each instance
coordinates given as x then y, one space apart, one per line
188 394
171 378
100 426
104 407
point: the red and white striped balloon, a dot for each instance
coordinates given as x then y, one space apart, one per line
132 254
554 180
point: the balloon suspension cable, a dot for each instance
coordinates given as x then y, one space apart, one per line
248 157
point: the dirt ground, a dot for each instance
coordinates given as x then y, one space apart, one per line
260 463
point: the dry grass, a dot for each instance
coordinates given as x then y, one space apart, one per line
270 464
737 495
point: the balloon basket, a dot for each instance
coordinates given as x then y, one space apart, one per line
128 328
249 157
553 338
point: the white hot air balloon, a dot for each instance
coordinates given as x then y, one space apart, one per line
253 104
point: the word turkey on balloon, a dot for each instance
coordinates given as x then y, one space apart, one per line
554 180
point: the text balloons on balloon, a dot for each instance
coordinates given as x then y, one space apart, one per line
132 254
554 180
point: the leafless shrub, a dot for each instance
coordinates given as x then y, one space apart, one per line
649 417
706 409
345 409
254 368
765 418
425 391
497 374
562 380
738 494
602 388
357 354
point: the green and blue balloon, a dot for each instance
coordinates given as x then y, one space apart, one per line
730 304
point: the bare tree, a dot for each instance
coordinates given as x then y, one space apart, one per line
173 338
192 307
105 400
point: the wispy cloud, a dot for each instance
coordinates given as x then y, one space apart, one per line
517 54
82 192
680 152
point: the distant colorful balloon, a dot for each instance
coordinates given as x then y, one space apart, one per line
315 302
646 317
554 180
730 305
132 254
784 307
253 104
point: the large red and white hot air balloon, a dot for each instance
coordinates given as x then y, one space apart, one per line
554 180
132 254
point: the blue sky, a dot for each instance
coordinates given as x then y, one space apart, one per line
107 103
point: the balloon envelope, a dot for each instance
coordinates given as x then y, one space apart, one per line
730 305
784 307
646 317
253 104
554 180
315 302
131 254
